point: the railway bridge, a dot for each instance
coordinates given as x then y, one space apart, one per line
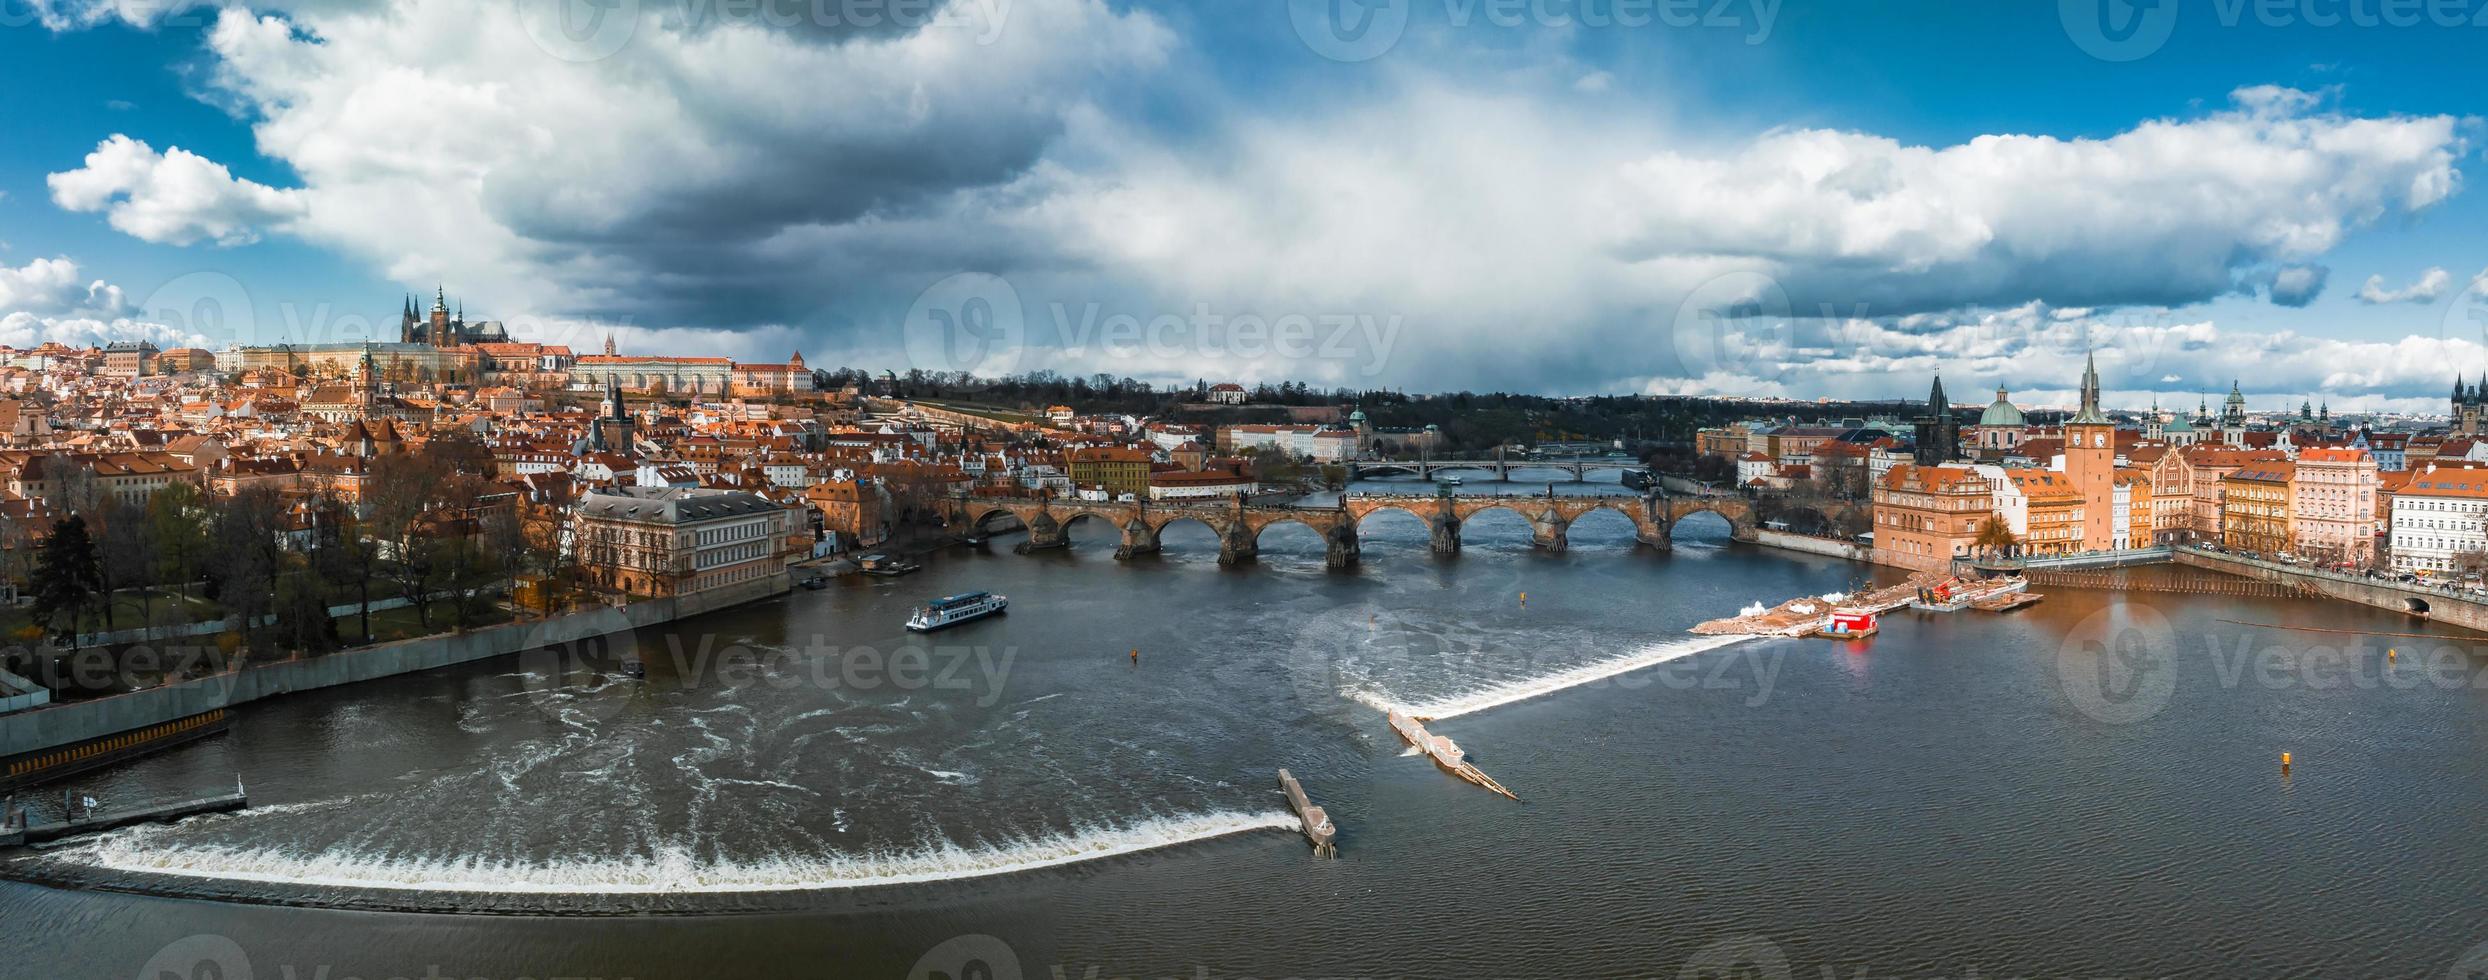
1239 523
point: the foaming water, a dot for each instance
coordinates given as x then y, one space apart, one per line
1524 689
670 870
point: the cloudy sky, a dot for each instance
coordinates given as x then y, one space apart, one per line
1747 196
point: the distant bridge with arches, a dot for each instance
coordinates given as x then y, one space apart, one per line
1501 466
1239 524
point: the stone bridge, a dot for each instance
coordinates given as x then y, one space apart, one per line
1501 466
1239 524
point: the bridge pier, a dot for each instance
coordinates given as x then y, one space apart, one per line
1654 534
1044 534
1237 545
1549 532
1138 539
1344 550
1446 535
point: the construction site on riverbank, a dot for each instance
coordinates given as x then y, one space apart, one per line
1813 615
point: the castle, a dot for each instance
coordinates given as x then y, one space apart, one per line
444 328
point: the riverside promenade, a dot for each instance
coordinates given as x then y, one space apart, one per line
76 724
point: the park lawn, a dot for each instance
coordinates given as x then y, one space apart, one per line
388 625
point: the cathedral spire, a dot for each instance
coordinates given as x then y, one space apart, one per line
2090 415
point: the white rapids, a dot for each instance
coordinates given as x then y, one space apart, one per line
671 870
1509 692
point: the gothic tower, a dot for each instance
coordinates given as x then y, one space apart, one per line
438 335
2091 462
1938 431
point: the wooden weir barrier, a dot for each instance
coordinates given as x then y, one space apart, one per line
2189 584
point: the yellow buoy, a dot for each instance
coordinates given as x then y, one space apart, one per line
2284 762
2390 654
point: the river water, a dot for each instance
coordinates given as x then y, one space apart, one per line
2089 787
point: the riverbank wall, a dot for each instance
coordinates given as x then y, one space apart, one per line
2434 604
77 723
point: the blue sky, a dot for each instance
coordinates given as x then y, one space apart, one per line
1548 204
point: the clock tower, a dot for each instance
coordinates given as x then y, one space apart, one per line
2091 462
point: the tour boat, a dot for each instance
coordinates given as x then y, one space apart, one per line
1451 481
955 609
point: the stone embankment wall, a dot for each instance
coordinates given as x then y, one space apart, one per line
65 723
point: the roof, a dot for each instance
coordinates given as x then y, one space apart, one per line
2448 483
2001 413
2266 471
672 505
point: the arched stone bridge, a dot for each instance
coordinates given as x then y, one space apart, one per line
1239 524
1501 466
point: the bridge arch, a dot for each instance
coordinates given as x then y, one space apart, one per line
1320 534
984 521
1607 524
1159 526
1735 521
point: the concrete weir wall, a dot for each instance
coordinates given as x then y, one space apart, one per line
1813 545
2433 604
68 723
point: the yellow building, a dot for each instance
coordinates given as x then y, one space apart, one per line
2056 511
1117 469
2254 513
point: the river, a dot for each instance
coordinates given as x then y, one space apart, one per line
2089 787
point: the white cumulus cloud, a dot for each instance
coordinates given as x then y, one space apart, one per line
175 197
2430 285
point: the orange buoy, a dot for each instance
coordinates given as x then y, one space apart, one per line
2284 762
2389 655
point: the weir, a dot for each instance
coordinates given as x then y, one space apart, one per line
16 830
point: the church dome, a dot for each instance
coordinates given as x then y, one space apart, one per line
2001 414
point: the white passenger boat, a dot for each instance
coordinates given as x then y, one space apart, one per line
955 609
